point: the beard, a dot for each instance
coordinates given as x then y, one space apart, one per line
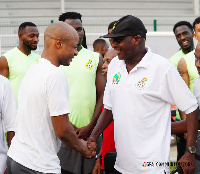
28 45
80 41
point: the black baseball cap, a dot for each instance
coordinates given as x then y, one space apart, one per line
127 26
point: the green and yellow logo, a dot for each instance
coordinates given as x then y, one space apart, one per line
89 64
141 83
116 78
145 164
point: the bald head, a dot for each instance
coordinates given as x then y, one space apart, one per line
60 43
198 45
60 30
111 53
197 50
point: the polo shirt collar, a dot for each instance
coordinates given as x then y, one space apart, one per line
143 63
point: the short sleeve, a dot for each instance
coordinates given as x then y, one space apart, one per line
175 91
9 107
58 94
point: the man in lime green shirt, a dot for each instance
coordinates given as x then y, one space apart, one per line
15 63
86 87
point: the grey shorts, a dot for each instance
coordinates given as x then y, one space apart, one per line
72 161
16 168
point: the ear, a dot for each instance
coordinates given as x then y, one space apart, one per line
195 36
20 36
102 48
136 40
59 43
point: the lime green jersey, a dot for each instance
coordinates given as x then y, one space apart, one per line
18 64
81 75
176 57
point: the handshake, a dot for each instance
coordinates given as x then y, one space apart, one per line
89 148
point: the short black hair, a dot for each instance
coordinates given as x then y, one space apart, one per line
182 23
196 21
110 26
98 43
24 25
70 15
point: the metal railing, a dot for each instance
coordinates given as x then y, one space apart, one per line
10 41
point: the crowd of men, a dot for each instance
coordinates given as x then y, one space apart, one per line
56 106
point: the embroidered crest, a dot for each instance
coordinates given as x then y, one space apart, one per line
89 64
141 84
116 78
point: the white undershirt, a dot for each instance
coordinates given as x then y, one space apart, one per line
43 93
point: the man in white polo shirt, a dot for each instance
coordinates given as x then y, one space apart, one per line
141 86
42 116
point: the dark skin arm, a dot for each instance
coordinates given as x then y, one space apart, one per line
97 167
183 117
65 132
180 127
4 70
85 131
103 122
10 135
182 69
191 125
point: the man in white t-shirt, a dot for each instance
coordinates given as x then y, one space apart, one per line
42 117
8 109
141 86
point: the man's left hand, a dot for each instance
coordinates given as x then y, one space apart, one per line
187 162
84 132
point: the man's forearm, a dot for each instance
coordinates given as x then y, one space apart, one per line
192 128
10 135
103 122
179 127
75 128
97 112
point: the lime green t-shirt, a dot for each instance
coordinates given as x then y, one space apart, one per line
18 64
81 75
176 57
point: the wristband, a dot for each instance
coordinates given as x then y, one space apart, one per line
98 156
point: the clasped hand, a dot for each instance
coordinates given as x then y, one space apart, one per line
90 148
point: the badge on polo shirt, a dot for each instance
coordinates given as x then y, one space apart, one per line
89 64
116 78
141 83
